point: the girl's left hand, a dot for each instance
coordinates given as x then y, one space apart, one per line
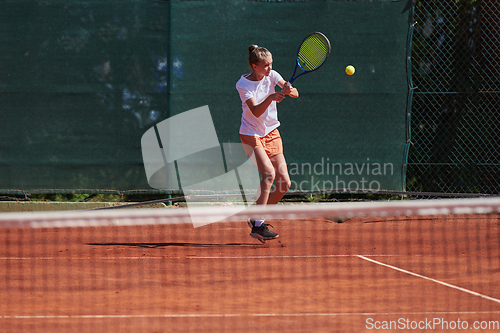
287 88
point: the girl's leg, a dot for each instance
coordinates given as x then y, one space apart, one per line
281 177
267 170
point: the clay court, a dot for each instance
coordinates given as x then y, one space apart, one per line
318 276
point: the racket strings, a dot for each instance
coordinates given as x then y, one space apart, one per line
313 52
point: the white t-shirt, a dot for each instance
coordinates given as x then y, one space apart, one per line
268 121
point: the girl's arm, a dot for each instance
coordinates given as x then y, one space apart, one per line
287 89
259 109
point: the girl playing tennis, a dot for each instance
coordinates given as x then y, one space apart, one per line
259 131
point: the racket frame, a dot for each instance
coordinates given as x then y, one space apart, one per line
297 64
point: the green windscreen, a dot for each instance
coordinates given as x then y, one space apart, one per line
81 82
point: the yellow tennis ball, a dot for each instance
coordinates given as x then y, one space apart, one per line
350 70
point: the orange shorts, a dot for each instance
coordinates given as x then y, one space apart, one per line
271 143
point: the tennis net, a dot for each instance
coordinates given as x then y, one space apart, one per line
397 265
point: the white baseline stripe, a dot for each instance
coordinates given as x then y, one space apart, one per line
211 315
310 256
297 256
431 279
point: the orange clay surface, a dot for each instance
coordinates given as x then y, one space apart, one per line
318 276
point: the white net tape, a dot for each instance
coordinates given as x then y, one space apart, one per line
205 215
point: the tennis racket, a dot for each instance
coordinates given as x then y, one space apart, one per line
312 54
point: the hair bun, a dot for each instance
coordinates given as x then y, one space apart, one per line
252 47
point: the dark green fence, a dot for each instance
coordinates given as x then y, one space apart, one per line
82 81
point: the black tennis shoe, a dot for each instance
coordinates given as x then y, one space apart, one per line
263 233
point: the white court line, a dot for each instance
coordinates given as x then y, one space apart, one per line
297 256
431 279
311 256
212 315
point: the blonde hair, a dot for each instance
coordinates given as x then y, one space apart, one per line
256 54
